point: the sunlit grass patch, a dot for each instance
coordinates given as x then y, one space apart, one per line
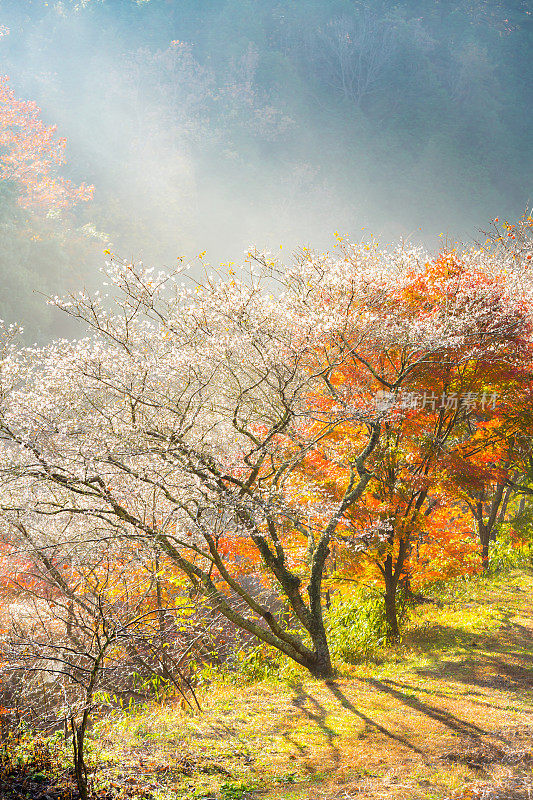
388 726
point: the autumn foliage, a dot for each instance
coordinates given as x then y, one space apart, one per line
454 412
31 155
368 421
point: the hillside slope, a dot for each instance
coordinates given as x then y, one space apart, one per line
449 712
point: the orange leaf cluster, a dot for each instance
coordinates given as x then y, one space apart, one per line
30 154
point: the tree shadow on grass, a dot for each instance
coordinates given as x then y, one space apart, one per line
492 672
503 661
500 660
473 695
446 718
369 723
439 637
316 713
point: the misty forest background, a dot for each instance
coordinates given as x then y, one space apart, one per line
215 124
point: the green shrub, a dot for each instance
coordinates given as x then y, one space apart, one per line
33 754
258 663
506 554
358 625
248 665
237 790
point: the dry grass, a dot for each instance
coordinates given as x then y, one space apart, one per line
449 713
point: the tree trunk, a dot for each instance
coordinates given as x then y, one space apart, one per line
487 530
162 620
78 743
393 631
391 573
320 666
485 550
484 538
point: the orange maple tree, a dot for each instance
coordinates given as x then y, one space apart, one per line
445 413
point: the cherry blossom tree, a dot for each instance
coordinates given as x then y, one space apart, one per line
188 417
198 403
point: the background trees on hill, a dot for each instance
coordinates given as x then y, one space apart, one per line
40 246
30 154
220 124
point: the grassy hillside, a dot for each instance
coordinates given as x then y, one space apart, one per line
448 713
